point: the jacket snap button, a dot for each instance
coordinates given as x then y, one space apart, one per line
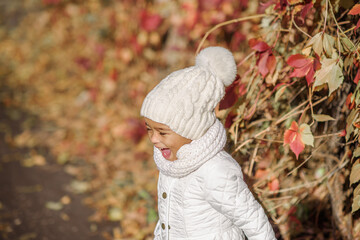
169 227
164 195
163 226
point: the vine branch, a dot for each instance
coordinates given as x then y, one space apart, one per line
227 23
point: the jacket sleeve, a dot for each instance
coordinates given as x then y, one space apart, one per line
226 192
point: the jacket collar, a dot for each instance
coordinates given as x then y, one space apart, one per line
193 155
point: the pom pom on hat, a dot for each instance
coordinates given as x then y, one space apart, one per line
220 61
185 100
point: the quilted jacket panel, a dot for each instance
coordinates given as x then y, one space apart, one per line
211 203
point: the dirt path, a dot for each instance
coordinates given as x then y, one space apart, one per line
31 197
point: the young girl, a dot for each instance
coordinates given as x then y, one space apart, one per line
201 191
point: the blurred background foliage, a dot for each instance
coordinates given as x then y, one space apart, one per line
83 68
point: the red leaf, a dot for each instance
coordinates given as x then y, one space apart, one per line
230 97
114 74
230 119
281 5
357 77
209 4
135 45
357 26
304 67
292 136
310 76
301 72
149 22
298 60
343 133
262 63
317 63
355 10
232 93
271 63
305 10
134 130
84 62
258 45
236 40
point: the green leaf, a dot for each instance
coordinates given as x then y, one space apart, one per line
306 135
356 200
144 194
347 45
323 117
355 172
152 215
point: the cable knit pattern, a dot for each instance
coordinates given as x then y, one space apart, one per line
192 156
205 197
185 99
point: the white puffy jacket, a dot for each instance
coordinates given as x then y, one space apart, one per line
202 195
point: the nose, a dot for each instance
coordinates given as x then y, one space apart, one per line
154 137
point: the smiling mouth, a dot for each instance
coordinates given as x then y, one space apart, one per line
166 153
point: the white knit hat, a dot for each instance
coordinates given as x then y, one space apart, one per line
185 100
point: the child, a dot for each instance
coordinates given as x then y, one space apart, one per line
201 191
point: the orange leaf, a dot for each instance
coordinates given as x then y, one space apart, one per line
355 10
356 124
350 105
261 173
292 136
274 185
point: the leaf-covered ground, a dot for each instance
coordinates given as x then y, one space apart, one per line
80 70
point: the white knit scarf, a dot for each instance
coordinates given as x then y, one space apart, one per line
191 156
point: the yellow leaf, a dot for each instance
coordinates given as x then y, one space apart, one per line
330 73
355 172
328 43
316 43
306 135
356 153
323 117
322 76
356 200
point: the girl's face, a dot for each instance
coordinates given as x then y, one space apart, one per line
166 140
